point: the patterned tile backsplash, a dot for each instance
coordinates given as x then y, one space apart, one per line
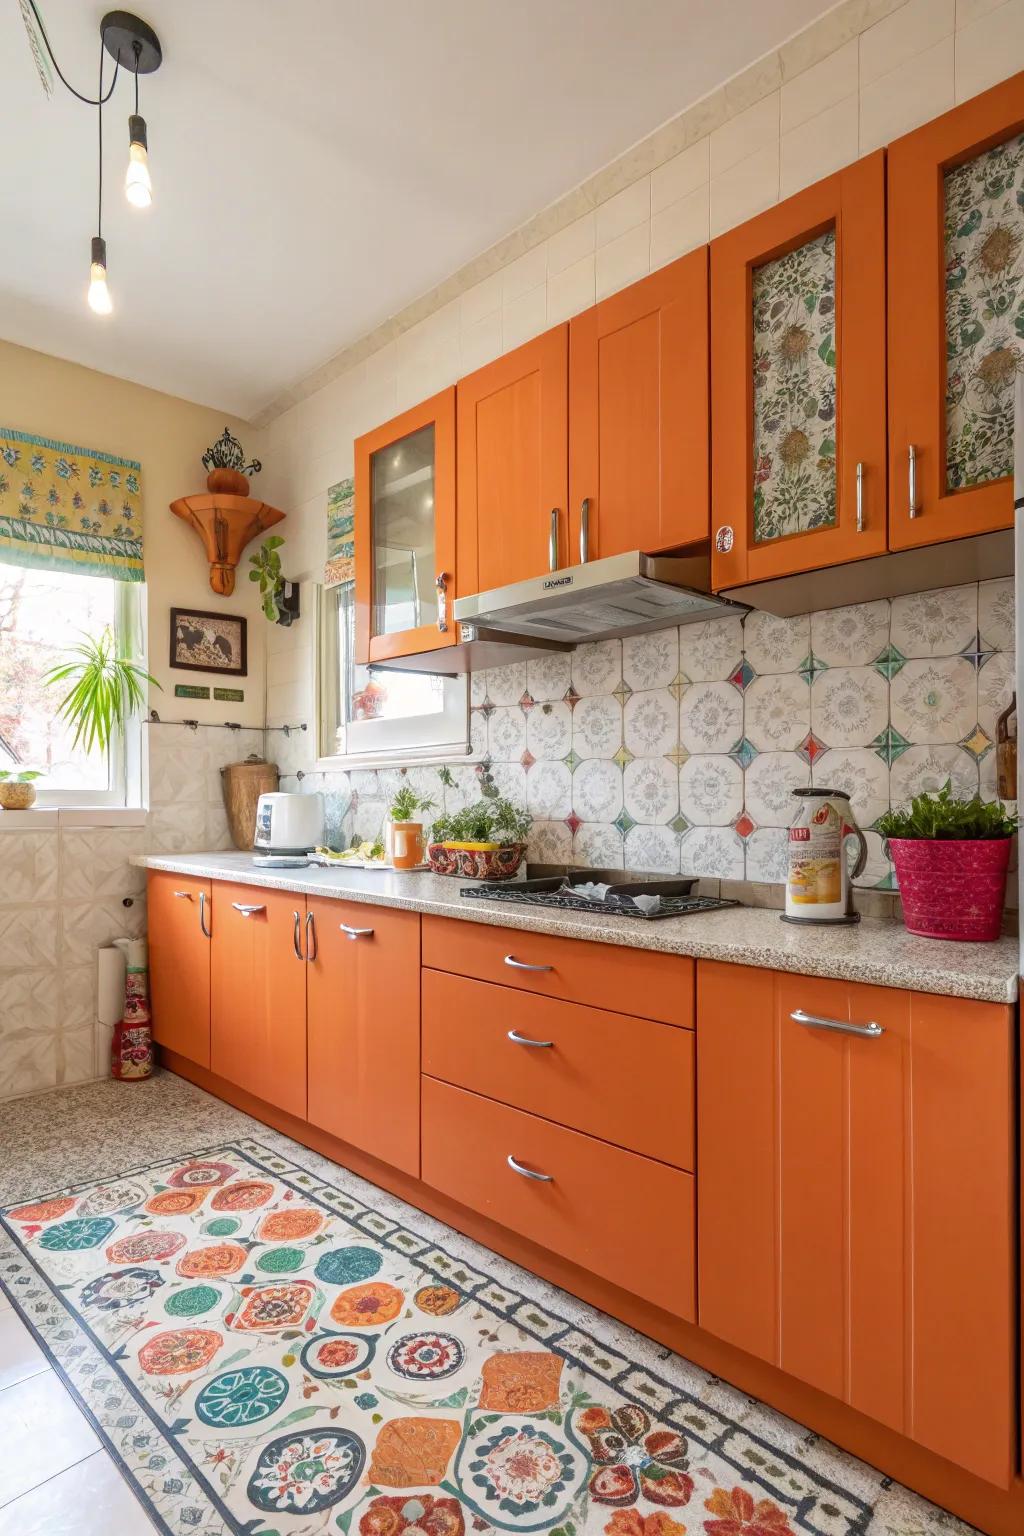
677 751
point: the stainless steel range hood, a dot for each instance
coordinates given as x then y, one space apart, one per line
621 595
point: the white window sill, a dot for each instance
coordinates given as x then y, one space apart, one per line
434 758
41 817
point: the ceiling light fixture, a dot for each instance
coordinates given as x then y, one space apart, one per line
133 44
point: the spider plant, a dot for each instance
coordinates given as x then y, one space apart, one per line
106 690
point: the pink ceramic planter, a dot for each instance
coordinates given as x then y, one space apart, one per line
954 889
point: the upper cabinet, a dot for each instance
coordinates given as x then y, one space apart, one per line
405 532
956 318
798 382
638 415
513 465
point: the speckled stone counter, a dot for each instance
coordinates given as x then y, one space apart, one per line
874 951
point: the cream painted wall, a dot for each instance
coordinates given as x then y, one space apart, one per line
168 436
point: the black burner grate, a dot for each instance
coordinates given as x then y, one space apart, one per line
616 906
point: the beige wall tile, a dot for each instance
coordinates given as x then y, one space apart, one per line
819 146
480 343
912 30
524 317
989 48
680 227
746 189
481 300
623 212
968 11
624 260
744 135
525 273
907 96
680 176
820 87
571 291
571 244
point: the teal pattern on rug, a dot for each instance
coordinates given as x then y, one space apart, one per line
317 1368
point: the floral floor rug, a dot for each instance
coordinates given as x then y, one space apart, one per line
265 1354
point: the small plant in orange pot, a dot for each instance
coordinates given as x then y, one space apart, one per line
404 840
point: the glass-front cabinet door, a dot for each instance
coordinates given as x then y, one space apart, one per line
798 382
405 532
956 318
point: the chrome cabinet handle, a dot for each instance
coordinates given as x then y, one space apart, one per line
297 936
521 965
528 1173
869 1031
860 498
442 601
553 541
518 1039
202 916
585 530
184 895
356 933
912 479
311 935
246 910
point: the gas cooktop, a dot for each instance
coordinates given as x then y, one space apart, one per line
659 897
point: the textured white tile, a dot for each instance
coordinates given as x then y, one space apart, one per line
89 1499
937 623
549 790
928 767
28 1064
29 1002
650 720
87 925
907 96
862 774
525 273
768 785
597 790
995 614
481 300
777 712
572 290
934 700
744 135
29 867
650 790
95 863
989 49
712 851
571 244
599 845
624 260
651 661
480 343
968 11
548 677
771 644
850 636
710 650
680 176
680 227
624 211
78 995
652 850
746 188
820 146
597 726
523 318
710 717
816 89
710 789
76 1056
849 706
28 937
597 667
900 38
43 1433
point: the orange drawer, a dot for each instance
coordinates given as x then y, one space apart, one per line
636 981
629 1081
623 1217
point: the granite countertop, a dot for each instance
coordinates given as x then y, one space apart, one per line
877 951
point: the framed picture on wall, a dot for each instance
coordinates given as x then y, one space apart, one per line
209 642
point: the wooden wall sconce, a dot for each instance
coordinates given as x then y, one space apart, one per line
225 523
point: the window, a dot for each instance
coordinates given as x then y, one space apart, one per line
42 613
373 713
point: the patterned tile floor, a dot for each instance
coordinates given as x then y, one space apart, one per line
59 1478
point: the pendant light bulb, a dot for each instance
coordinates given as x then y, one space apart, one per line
138 187
99 293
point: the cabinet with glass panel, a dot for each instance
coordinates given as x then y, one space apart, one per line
798 436
405 533
956 318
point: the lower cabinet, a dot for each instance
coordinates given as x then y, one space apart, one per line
179 964
363 1014
856 1199
258 993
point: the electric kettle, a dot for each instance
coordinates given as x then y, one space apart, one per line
818 882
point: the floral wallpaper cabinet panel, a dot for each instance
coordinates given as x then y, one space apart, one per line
956 318
798 382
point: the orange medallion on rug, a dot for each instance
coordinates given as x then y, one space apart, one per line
411 1452
361 1306
522 1381
218 1259
43 1210
246 1195
176 1202
288 1225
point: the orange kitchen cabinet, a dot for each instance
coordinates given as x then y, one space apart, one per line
638 415
955 235
513 450
798 436
856 1199
258 993
405 533
363 1010
179 963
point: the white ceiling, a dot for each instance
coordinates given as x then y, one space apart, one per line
318 164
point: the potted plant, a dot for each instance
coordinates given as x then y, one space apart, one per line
105 693
403 838
484 841
228 473
951 858
17 790
280 597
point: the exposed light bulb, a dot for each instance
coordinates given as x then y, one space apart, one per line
99 293
138 187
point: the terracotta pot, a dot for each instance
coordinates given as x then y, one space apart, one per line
227 482
952 889
476 861
16 796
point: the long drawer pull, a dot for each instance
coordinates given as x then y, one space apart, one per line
869 1031
202 916
518 1039
521 965
356 933
297 936
312 942
246 909
528 1173
185 895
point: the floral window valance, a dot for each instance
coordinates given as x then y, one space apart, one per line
340 534
69 509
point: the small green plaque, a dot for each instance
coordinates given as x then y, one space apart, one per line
188 691
230 695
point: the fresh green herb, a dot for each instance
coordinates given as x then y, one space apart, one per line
941 817
266 570
106 690
406 802
492 820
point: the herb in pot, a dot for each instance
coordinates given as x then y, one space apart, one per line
939 816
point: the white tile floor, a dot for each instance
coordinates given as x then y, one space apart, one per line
58 1480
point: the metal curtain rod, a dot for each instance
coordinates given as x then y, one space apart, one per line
225 725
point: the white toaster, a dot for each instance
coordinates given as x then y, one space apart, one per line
288 826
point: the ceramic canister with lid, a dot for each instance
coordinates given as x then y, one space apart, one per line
818 879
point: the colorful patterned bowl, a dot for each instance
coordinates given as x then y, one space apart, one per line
476 861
